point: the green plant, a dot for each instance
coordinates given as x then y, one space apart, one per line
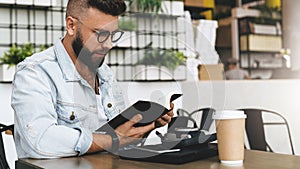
127 25
147 5
159 57
17 54
268 15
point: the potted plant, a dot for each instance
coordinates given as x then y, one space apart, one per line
159 64
12 57
129 37
151 6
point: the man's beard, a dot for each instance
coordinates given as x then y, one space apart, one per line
84 54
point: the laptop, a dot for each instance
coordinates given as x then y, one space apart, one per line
159 154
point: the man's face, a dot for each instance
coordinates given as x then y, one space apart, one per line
86 46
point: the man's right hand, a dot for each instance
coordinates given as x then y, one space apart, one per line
127 133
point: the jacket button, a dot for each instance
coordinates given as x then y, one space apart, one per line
109 105
72 117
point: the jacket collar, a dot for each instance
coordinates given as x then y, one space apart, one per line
68 68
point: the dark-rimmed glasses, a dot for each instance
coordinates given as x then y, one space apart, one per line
103 35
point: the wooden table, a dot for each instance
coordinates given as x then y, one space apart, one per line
253 159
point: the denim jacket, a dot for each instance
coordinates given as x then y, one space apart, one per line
55 108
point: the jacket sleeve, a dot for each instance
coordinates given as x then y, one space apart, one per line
33 101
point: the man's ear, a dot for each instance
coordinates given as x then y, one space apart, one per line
70 25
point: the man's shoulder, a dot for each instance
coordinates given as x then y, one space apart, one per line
39 59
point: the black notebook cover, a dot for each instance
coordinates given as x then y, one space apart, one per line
149 110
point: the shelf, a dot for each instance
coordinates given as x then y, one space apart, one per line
36 45
194 9
33 27
143 48
265 43
157 32
196 12
150 15
35 7
260 38
259 34
248 27
251 51
254 18
161 33
262 68
21 6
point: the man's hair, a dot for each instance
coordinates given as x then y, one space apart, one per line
78 8
232 61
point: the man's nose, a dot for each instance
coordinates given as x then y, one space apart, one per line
108 43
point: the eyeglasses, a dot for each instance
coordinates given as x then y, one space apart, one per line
103 35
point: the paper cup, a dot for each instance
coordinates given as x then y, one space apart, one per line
230 126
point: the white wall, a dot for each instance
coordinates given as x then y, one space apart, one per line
6 117
280 95
291 27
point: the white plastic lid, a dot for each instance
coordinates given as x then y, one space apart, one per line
232 163
229 114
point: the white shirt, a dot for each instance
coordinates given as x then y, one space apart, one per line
101 114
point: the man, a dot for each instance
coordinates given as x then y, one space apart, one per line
61 95
234 72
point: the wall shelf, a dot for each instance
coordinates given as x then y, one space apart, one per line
259 43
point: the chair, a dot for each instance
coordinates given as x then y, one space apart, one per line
185 126
181 121
204 113
8 130
255 128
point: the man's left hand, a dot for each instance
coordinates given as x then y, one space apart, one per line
165 119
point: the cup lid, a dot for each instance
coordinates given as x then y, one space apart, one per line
229 114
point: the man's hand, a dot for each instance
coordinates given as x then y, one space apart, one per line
165 119
127 133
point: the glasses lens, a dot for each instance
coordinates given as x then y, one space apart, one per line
116 36
103 36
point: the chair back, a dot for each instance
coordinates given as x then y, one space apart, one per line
255 128
206 119
3 161
179 122
204 113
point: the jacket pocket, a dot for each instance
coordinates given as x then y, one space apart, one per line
70 115
75 115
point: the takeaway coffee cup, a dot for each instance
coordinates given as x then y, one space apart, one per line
230 126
